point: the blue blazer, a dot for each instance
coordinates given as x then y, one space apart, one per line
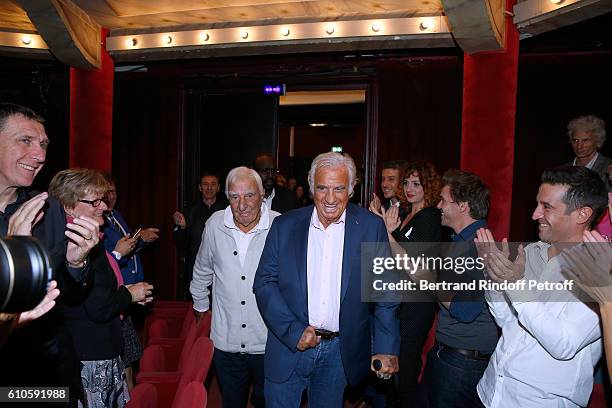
112 234
281 288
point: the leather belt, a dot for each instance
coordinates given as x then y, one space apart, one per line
326 334
473 354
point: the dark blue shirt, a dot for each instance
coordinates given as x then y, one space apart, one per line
468 323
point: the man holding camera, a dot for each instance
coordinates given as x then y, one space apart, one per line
40 353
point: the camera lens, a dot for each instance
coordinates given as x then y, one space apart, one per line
25 270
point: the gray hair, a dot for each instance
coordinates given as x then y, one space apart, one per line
240 173
331 159
588 123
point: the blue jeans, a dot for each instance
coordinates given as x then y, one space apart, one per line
319 370
451 378
234 370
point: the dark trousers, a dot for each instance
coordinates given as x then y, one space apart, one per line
451 379
416 319
235 371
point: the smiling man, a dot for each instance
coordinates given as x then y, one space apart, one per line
550 341
389 184
308 289
41 352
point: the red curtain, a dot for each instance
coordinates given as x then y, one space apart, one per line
489 108
91 114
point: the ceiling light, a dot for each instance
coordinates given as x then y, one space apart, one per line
205 37
376 27
318 124
168 39
329 29
244 34
285 31
26 39
132 42
556 1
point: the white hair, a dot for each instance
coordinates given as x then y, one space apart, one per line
332 159
591 124
241 173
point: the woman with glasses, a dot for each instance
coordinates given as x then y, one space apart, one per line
95 321
419 232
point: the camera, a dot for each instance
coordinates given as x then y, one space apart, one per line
25 271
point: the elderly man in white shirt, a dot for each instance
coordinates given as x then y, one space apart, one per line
550 340
232 244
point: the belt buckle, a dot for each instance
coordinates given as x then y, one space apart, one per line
325 334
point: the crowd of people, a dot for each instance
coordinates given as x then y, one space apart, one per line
284 280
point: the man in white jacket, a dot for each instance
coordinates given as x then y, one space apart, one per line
232 244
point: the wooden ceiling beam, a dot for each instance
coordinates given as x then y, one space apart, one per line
477 25
72 36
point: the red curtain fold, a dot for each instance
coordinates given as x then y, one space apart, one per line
91 114
488 120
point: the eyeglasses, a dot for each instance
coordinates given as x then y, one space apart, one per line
93 203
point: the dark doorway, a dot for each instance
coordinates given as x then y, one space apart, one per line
305 131
223 131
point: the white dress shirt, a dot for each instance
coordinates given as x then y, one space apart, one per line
228 258
324 271
548 348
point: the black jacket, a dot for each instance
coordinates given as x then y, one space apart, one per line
95 324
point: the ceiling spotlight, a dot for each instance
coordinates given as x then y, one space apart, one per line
285 31
244 34
425 24
329 29
168 39
376 27
205 37
26 39
132 42
556 1
317 124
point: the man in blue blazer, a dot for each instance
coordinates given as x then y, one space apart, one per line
119 242
308 290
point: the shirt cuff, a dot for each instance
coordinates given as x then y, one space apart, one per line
117 255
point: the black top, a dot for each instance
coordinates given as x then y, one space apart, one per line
95 324
189 238
421 236
42 353
425 226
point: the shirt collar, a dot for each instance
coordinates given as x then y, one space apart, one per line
316 222
469 232
590 164
263 224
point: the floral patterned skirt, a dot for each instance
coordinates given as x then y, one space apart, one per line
104 384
